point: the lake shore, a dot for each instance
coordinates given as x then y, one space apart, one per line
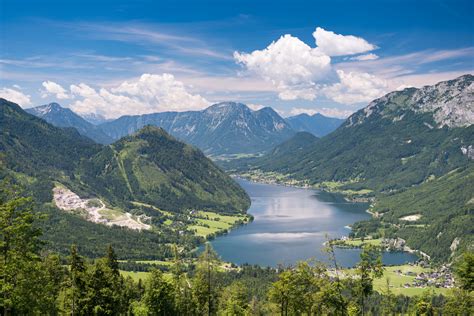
281 180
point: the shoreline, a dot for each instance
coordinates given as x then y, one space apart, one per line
405 248
349 197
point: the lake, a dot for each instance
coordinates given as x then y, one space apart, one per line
291 224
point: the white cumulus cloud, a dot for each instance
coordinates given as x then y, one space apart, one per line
299 71
52 88
333 44
148 94
356 87
290 64
15 96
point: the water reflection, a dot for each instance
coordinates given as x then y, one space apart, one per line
291 224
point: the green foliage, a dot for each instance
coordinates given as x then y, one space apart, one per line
460 302
144 167
465 271
368 268
158 297
446 208
205 289
29 284
234 300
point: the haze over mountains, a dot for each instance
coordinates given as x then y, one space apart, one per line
223 128
316 124
63 117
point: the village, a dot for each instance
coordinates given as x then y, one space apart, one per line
439 278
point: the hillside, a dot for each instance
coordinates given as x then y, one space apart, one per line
32 146
396 141
58 116
83 187
223 128
316 124
436 217
410 151
152 167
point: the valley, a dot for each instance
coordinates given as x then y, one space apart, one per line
399 201
236 158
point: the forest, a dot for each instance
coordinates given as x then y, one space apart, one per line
34 281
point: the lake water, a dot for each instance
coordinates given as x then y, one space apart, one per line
291 224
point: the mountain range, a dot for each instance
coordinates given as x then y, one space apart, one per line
410 151
223 128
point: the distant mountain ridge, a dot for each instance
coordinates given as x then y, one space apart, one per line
223 128
316 124
63 117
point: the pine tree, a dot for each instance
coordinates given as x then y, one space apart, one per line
78 282
19 253
464 270
158 297
369 267
112 261
204 284
234 300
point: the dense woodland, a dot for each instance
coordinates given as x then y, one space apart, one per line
37 282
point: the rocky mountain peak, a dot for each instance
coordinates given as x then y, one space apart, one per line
451 103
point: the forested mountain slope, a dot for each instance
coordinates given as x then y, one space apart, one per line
151 166
436 217
398 140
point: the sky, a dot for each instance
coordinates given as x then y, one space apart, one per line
114 58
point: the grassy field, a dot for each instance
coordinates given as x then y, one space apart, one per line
357 242
110 214
397 281
153 207
210 223
334 186
135 275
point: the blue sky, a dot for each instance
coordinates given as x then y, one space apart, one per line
130 57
